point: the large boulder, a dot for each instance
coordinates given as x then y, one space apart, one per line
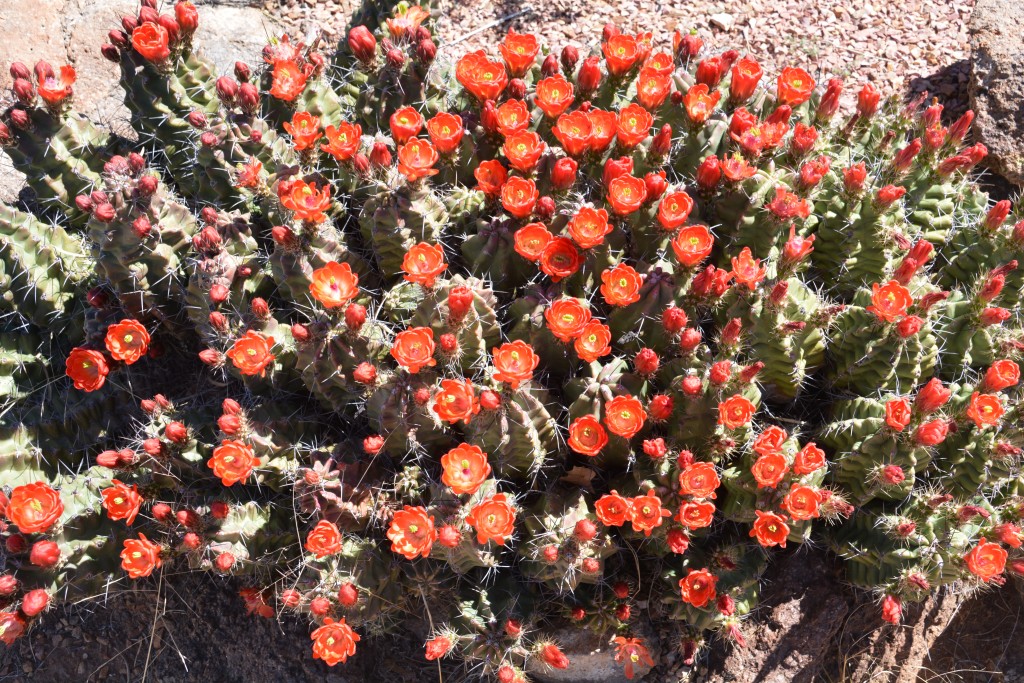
997 84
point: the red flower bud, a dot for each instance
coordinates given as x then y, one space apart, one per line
229 424
996 216
867 101
570 55
15 544
224 562
646 362
227 90
589 77
363 44
34 602
104 213
731 331
709 173
395 57
44 554
24 91
489 400
692 386
348 594
661 407
365 373
161 512
380 155
994 316
655 448
176 432
563 173
689 339
449 536
8 584
212 357
655 184
355 316
373 444
958 131
426 51
662 142
585 530
448 343
674 319
909 326
721 372
829 103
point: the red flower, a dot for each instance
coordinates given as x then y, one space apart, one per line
437 648
334 284
12 626
127 341
699 479
519 50
554 657
696 514
304 129
416 159
621 285
232 462
786 205
554 95
324 539
251 353
770 440
490 177
513 116
519 196
334 642
674 209
646 513
593 342
890 302
747 270
736 168
1001 375
151 41
483 78
560 259
413 349
735 412
587 436
343 141
698 588
624 415
700 103
140 557
456 401
626 194
530 241
985 409
809 459
892 609
412 532
465 469
746 74
423 263
514 363
986 560
288 80
566 318
897 414
794 86
604 126
493 519
770 529
692 245
633 125
802 503
34 508
121 502
769 469
87 369
612 509
631 651
574 131
55 90
622 52
589 227
652 88
305 200
931 433
446 131
523 150
406 123
406 20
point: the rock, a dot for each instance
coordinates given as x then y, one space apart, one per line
997 84
230 34
722 20
592 658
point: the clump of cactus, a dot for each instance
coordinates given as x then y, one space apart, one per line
515 337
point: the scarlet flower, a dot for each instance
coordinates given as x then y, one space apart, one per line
423 263
985 409
406 21
493 519
232 462
445 132
770 529
692 245
986 560
735 168
631 651
530 241
483 78
490 177
897 414
769 469
626 194
735 412
698 588
87 369
622 52
33 508
513 117
306 200
554 95
746 74
1001 375
890 302
140 557
699 479
604 127
612 509
699 103
931 433
589 227
343 141
621 285
465 469
437 648
334 284
566 318
560 259
514 363
554 657
334 642
288 80
55 90
646 513
674 209
574 131
519 196
406 123
413 349
624 415
786 205
652 88
12 626
151 40
127 341
121 501
809 459
324 539
770 440
412 532
523 150
587 436
802 503
251 353
794 86
696 514
633 125
456 401
416 159
304 129
593 342
519 50
747 270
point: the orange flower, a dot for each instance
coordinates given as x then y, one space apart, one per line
465 469
334 642
699 103
890 302
747 270
770 441
519 196
445 132
87 369
413 349
1001 375
416 160
34 508
406 21
483 78
897 413
612 509
652 88
696 514
121 502
232 462
566 318
986 560
646 513
809 459
514 363
493 519
985 409
304 129
631 651
343 141
626 193
151 40
746 74
523 150
770 529
456 401
55 90
513 116
802 503
288 81
735 412
587 436
622 52
251 353
334 284
530 241
306 200
698 588
769 470
574 130
406 123
140 557
490 177
519 50
412 532
633 125
673 209
621 285
589 226
553 95
699 479
693 244
423 263
127 341
624 415
604 126
593 341
324 539
249 174
735 168
560 259
795 86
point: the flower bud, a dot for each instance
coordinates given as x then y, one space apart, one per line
373 444
290 598
365 373
224 562
208 139
426 51
449 536
661 407
545 207
646 362
994 316
590 565
44 554
589 77
997 215
142 227
550 553
721 372
585 530
549 67
9 584
460 300
662 142
355 316
34 602
958 131
829 103
380 155
563 174
709 173
655 184
260 309
20 119
212 357
489 400
692 386
176 432
655 448
229 424
283 235
673 319
689 339
196 119
748 373
104 213
570 55
249 102
363 44
396 58
348 594
319 606
24 91
147 186
219 293
867 101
